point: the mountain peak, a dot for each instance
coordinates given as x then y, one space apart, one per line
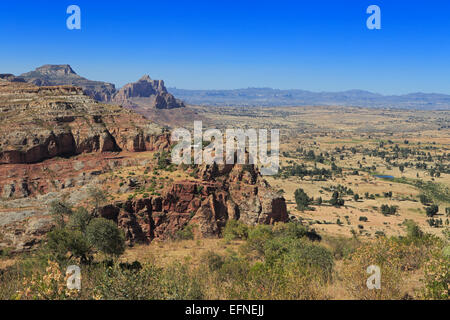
145 78
153 90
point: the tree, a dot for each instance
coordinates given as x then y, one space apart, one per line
80 219
98 197
63 241
424 199
302 199
432 210
105 236
356 197
82 235
388 210
336 200
59 210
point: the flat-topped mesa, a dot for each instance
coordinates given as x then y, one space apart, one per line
55 75
39 123
55 70
147 89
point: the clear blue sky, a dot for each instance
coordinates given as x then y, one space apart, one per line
314 45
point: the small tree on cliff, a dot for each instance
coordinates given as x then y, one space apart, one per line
98 198
60 210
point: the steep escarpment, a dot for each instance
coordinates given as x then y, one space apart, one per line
39 123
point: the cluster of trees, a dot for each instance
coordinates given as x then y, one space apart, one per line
432 210
388 210
336 199
79 234
437 223
304 201
302 171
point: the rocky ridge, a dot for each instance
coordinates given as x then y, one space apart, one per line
228 192
153 92
39 123
57 75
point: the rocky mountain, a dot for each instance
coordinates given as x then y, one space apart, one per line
57 75
276 97
146 91
39 123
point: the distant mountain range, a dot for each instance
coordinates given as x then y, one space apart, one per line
274 97
148 94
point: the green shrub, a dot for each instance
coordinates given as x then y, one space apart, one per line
105 236
290 230
257 238
213 260
187 233
412 229
342 247
115 283
235 230
437 276
301 252
80 219
59 210
61 242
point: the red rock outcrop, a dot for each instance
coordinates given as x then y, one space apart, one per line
236 192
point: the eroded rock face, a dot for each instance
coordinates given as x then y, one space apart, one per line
237 193
38 123
153 92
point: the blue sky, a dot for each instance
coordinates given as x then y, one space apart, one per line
313 45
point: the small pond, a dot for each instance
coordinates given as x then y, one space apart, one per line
384 177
